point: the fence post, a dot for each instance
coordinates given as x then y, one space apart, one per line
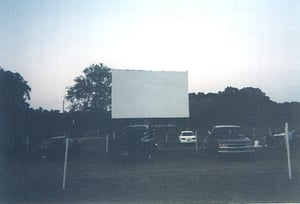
65 163
288 149
166 137
270 137
270 132
114 134
253 133
106 144
196 134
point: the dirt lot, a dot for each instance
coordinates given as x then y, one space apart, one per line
177 174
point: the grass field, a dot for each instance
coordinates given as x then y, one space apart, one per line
177 174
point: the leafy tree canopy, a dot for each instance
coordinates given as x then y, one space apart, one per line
246 106
92 90
14 91
14 94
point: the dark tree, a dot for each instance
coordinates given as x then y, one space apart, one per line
14 94
91 91
247 107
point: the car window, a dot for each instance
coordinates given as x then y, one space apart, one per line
136 132
228 133
187 134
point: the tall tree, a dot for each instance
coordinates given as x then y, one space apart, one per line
92 90
14 94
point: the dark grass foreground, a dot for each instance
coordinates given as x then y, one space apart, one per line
175 175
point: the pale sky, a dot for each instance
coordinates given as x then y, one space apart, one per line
235 43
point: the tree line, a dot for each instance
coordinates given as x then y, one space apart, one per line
248 107
89 110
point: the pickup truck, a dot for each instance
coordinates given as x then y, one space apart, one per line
229 139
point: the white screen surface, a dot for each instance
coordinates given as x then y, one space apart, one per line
149 94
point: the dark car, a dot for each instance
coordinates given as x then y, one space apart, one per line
136 141
229 139
55 147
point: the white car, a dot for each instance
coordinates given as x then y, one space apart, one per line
187 137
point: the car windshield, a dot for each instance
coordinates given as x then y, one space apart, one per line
136 132
187 134
228 133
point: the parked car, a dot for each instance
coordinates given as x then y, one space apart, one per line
55 146
187 137
229 139
136 141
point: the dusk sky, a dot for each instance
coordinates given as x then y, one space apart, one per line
235 43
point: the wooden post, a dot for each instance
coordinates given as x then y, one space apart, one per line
65 163
270 132
288 149
253 133
114 134
106 144
196 134
166 132
166 137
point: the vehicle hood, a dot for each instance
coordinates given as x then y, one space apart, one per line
234 141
